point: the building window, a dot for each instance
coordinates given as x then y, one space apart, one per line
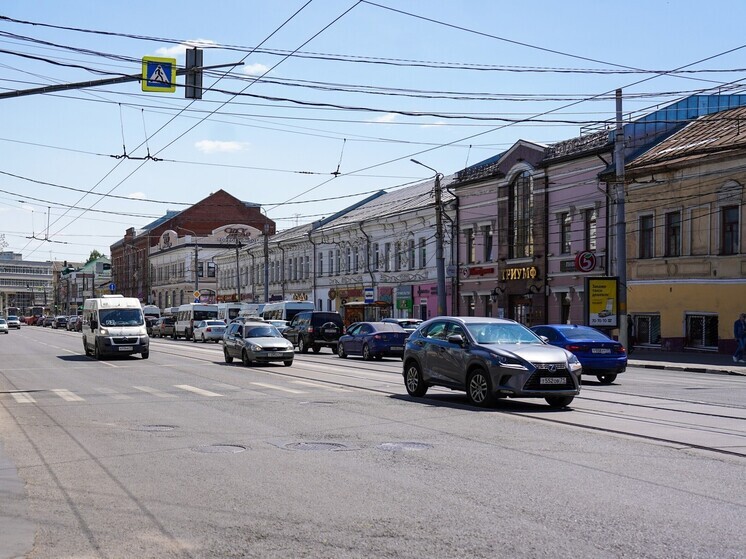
211 269
591 218
647 237
376 257
356 259
520 216
673 234
423 253
321 264
397 256
338 254
702 331
487 243
565 223
410 259
729 228
331 262
348 254
471 249
387 257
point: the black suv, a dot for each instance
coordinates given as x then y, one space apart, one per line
314 330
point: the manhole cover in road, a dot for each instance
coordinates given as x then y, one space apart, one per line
405 446
155 428
314 446
220 449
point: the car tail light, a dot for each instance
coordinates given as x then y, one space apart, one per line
619 349
576 347
208 329
309 329
378 337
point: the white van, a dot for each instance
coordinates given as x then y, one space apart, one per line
114 324
285 310
190 313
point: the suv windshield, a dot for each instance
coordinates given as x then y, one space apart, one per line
502 334
121 317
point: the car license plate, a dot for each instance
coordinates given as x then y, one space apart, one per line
330 330
396 348
600 350
552 380
275 354
125 348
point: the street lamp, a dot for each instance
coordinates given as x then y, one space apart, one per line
440 268
196 257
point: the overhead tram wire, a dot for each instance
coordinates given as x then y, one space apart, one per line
169 122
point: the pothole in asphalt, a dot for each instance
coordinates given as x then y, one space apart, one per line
317 446
155 428
220 449
404 446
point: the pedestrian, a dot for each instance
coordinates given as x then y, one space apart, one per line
630 334
739 333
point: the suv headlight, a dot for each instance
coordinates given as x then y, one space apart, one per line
574 363
506 361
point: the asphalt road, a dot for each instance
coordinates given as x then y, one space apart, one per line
183 455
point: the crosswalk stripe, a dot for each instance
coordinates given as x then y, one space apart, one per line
22 397
67 395
113 394
320 385
273 387
196 390
154 392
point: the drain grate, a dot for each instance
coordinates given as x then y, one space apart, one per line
315 446
220 449
404 446
155 428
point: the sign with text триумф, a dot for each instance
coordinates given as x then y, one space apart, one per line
158 74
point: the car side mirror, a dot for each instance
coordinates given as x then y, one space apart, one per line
457 339
544 339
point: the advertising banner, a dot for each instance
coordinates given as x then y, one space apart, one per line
602 302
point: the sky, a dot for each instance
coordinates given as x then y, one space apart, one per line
316 104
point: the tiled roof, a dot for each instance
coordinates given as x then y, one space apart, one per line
715 132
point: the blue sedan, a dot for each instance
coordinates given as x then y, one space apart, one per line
373 340
599 354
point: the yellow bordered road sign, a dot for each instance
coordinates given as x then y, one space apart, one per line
158 74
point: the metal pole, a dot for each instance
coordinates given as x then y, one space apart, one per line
266 262
621 238
238 273
440 268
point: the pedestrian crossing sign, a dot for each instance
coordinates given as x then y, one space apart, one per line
158 74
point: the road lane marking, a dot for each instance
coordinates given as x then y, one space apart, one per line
225 386
67 395
23 397
113 394
320 385
273 387
196 390
154 392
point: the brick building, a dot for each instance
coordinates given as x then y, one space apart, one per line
129 256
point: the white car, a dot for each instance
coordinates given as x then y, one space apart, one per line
3 326
14 322
205 330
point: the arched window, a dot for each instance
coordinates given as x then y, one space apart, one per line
520 216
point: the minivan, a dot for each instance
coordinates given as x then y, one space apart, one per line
114 325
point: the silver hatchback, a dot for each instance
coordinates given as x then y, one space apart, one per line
489 358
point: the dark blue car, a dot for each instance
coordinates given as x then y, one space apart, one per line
373 340
599 354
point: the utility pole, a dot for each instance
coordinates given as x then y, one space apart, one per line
621 234
266 262
238 272
440 267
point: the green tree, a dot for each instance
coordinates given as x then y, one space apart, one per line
93 256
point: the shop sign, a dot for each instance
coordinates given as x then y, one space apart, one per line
300 297
523 273
477 271
585 261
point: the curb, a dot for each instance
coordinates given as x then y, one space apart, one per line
690 369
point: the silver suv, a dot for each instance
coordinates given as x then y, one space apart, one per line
489 358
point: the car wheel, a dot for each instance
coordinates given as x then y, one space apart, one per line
559 401
367 355
96 351
413 380
203 339
287 363
194 339
302 346
145 354
606 379
173 336
85 348
479 388
228 356
341 351
245 358
316 348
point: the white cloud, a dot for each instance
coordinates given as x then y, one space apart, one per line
179 50
388 117
136 195
254 69
217 146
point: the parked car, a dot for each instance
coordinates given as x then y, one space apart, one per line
212 330
314 330
243 319
150 322
59 322
597 352
72 323
255 342
408 324
3 326
489 358
48 321
164 327
13 321
373 340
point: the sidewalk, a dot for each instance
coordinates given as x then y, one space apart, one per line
696 362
